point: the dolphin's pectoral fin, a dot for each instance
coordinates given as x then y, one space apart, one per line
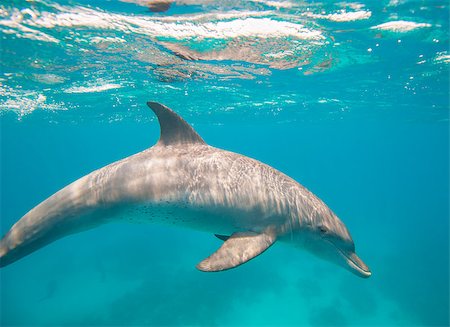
222 237
236 250
174 129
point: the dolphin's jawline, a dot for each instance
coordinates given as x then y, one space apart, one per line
354 265
351 261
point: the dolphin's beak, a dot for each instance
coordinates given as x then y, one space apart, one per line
356 265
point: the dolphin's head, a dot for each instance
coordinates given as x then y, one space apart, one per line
328 238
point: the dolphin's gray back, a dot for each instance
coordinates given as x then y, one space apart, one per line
200 180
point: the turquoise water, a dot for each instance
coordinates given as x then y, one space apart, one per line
350 99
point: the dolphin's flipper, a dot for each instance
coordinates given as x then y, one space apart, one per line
174 129
236 250
222 237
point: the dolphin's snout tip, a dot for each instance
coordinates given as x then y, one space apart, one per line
364 273
357 266
362 269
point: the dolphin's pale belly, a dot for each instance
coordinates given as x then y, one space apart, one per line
180 214
209 219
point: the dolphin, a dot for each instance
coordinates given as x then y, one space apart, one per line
182 180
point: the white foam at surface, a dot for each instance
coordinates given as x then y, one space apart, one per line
400 26
213 16
245 26
342 16
24 102
355 5
280 4
395 3
15 22
442 57
93 89
99 39
3 12
276 4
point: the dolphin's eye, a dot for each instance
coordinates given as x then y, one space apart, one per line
323 229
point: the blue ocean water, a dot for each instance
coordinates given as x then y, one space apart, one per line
351 99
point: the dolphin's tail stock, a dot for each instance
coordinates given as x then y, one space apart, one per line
33 231
17 243
3 252
64 213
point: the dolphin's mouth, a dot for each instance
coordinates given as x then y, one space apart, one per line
356 264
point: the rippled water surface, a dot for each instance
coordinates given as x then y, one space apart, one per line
349 98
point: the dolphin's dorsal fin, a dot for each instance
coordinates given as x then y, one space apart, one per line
222 237
236 250
174 129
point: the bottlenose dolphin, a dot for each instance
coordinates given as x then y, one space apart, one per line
184 181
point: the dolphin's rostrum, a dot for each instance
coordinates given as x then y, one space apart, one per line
182 180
